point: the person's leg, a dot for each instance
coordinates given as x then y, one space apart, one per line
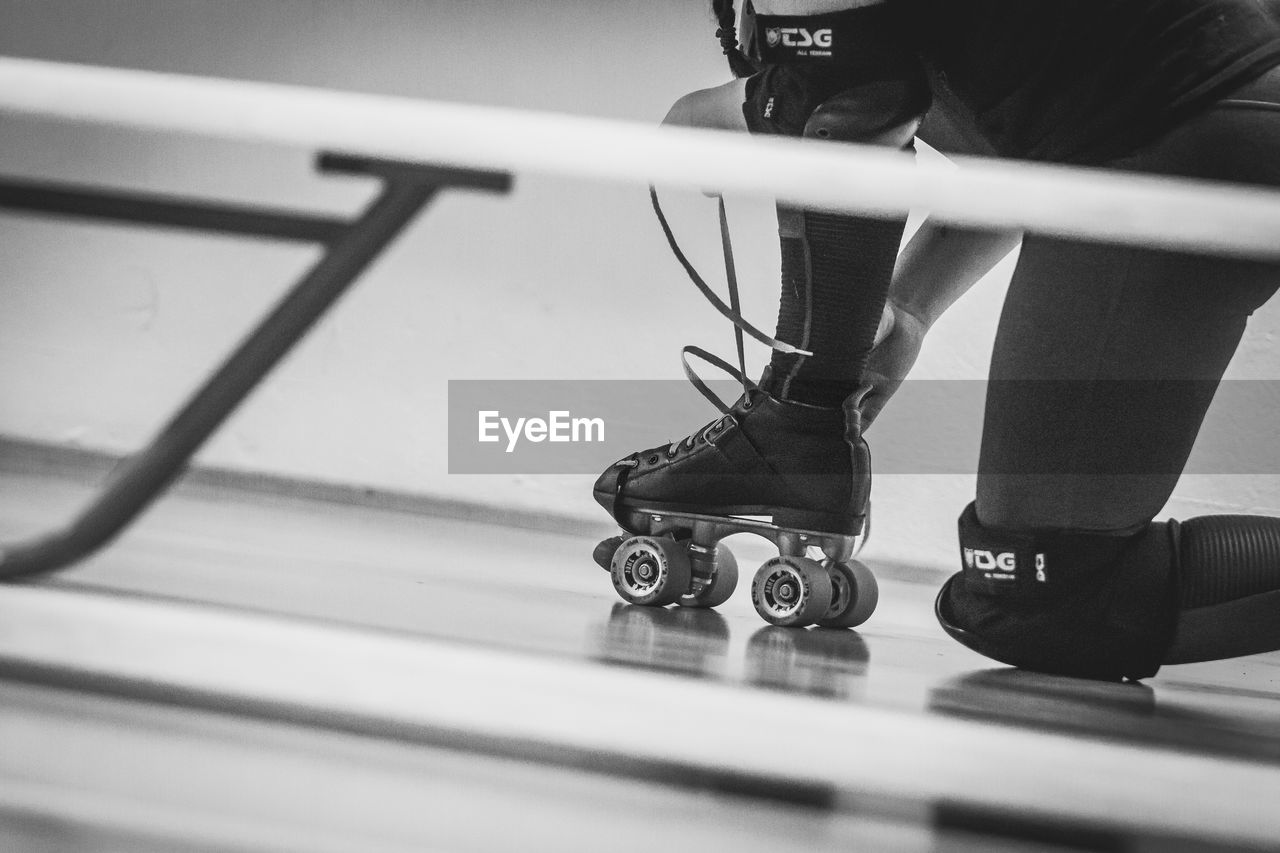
866 87
836 271
1107 357
1106 361
792 449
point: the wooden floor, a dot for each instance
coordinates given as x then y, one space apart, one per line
249 672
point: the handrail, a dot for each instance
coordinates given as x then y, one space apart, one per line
1099 205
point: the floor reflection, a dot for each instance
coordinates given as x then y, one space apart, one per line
834 664
818 661
684 640
688 641
1129 712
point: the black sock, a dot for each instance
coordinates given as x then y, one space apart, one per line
836 271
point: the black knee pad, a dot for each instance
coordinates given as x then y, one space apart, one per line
850 76
815 103
1089 605
884 112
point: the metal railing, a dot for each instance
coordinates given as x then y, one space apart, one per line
350 246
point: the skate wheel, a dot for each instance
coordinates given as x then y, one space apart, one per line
791 591
650 570
603 554
854 595
722 585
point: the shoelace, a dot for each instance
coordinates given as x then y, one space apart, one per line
731 311
702 435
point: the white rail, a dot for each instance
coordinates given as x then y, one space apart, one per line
479 696
1104 206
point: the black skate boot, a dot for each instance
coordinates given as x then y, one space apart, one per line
795 474
798 466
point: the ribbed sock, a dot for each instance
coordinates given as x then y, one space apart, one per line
836 271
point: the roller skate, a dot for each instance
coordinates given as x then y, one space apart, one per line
796 475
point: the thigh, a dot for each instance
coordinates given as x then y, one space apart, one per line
1107 357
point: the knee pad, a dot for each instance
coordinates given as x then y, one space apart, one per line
848 76
1083 604
819 104
885 112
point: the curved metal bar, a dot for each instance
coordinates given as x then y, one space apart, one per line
143 477
146 209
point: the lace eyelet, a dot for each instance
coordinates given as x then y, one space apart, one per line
653 460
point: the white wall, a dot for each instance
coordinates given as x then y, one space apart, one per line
103 329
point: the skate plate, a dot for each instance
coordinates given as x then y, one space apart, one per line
707 530
679 558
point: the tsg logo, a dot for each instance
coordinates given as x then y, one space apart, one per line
1004 565
986 561
798 37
